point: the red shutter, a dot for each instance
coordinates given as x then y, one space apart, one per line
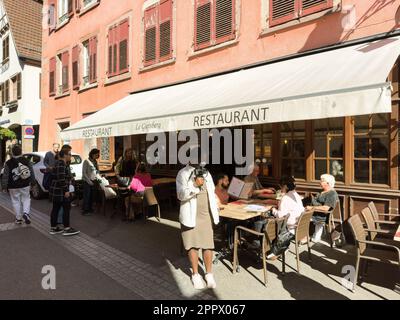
165 30
123 46
283 11
52 15
225 22
75 68
65 71
150 37
52 76
110 50
203 24
313 6
93 59
70 7
77 6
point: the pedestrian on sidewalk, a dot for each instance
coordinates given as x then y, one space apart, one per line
60 193
17 178
90 171
49 162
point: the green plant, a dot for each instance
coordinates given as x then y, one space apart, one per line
7 134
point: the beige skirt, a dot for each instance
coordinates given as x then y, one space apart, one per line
202 235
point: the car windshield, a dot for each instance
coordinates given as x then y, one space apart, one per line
75 159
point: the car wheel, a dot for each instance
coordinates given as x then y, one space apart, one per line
36 191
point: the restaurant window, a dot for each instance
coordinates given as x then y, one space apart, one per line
293 149
371 149
283 11
263 148
328 147
6 49
214 22
158 32
118 52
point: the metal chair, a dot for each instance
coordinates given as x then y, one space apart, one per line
367 249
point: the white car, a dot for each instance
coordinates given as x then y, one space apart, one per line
36 159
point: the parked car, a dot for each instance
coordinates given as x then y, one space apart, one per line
36 159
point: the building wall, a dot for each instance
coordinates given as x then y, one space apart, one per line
355 19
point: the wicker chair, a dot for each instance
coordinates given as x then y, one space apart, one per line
268 236
378 221
303 231
367 249
150 200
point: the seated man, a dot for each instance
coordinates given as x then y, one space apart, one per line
221 189
258 190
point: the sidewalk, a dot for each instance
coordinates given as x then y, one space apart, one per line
111 259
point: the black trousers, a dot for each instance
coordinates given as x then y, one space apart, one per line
66 205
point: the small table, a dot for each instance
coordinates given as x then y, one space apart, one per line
163 181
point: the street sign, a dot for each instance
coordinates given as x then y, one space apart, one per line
29 131
28 136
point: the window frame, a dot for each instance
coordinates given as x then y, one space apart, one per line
6 49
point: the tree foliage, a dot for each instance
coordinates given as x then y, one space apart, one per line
7 134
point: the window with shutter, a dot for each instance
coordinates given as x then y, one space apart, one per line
75 68
165 30
52 78
2 94
203 20
19 86
224 20
93 59
312 6
110 51
7 91
77 6
70 7
65 70
6 49
52 15
123 46
150 27
281 11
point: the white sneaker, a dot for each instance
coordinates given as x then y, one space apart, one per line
198 282
211 284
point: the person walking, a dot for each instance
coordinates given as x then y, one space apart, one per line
198 210
90 170
60 193
17 178
49 162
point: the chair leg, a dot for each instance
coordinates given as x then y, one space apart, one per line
264 264
158 213
297 257
309 248
283 263
357 269
235 253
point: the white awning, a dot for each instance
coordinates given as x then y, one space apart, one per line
342 82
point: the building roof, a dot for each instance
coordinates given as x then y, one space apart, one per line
25 18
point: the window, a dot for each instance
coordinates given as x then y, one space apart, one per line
16 87
293 149
371 149
6 49
328 147
263 148
281 11
118 49
89 72
63 82
52 76
158 32
52 15
64 9
75 68
214 22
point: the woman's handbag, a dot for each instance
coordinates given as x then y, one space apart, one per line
123 182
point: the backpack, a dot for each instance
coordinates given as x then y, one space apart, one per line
282 241
21 172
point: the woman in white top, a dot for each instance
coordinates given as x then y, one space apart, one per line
291 203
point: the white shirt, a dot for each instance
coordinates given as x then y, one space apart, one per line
291 205
187 192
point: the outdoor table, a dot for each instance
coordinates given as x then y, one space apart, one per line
165 180
234 213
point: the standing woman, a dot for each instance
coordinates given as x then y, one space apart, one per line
61 196
126 165
198 211
90 170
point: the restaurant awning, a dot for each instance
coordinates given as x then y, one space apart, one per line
342 82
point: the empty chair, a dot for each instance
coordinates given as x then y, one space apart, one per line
303 231
150 200
367 251
378 221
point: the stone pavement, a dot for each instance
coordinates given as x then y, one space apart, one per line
142 261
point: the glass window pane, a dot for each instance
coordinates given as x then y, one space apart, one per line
361 149
361 171
298 148
266 167
380 124
267 149
335 125
361 124
336 169
320 168
380 172
286 169
380 147
257 147
299 169
286 146
336 147
320 147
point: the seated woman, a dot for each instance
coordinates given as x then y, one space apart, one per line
143 175
136 198
258 190
221 189
324 202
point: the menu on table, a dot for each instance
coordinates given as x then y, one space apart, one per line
240 189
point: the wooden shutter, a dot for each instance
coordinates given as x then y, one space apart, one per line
52 15
7 91
224 20
312 6
203 23
70 7
77 6
112 51
1 95
123 46
165 30
19 86
281 11
65 70
93 59
52 76
75 68
150 38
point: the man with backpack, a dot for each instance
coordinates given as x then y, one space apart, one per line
17 178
